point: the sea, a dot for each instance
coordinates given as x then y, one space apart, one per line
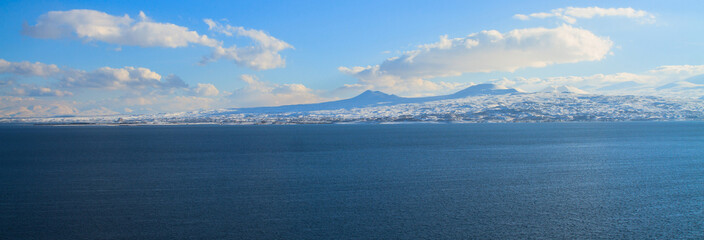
627 180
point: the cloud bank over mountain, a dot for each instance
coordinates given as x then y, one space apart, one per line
486 51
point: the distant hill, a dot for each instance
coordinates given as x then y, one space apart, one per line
620 86
699 79
563 89
371 98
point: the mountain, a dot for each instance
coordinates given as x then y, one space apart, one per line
699 79
620 86
371 98
525 107
563 89
680 85
368 98
483 89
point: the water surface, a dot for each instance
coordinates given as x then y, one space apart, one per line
436 181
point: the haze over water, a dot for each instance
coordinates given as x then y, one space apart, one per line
638 180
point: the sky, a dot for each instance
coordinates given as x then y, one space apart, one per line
62 58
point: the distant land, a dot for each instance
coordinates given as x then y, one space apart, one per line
478 103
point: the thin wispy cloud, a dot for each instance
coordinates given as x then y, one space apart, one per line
571 14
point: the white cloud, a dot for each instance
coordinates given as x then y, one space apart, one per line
28 68
92 25
260 93
119 78
140 87
687 70
264 54
487 51
571 14
33 107
107 78
154 103
37 91
646 83
163 103
206 89
590 83
97 111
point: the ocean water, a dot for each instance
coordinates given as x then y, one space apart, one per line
637 180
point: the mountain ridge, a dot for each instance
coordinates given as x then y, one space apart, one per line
372 98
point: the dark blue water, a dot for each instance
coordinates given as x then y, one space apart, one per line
445 181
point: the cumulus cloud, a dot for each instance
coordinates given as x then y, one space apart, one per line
32 107
96 26
142 91
120 78
206 89
571 14
28 68
486 51
38 91
663 80
264 54
261 93
91 25
145 88
107 78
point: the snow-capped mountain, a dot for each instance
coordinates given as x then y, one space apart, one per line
368 98
620 86
691 87
680 86
477 104
482 89
699 79
371 98
563 89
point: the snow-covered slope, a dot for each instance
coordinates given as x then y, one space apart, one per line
525 107
699 79
563 89
620 86
680 86
368 98
483 89
371 98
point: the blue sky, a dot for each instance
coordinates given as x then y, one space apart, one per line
59 59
